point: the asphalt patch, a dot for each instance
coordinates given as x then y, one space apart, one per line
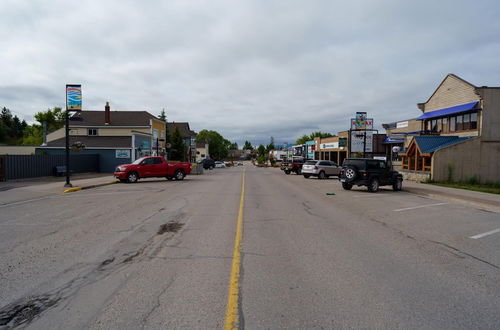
25 310
170 227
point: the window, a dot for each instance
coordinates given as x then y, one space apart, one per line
445 125
452 124
381 164
372 164
157 161
473 120
466 123
92 132
155 134
148 161
162 134
460 125
434 125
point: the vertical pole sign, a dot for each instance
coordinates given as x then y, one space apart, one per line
73 103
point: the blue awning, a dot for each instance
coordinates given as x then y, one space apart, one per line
449 111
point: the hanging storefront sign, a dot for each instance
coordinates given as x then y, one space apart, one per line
402 124
74 97
122 153
331 145
358 140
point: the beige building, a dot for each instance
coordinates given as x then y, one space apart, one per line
462 126
202 151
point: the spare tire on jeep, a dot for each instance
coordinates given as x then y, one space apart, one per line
350 173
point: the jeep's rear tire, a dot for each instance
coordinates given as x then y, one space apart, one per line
298 171
397 185
346 186
321 175
350 174
373 185
307 175
287 172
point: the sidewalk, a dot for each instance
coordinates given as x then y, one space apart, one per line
490 202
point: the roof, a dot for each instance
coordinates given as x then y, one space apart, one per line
183 127
117 118
429 144
449 111
442 82
200 144
94 141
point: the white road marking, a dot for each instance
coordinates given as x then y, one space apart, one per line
486 234
418 207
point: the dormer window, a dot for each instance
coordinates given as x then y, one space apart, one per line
92 132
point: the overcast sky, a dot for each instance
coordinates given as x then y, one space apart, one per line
247 69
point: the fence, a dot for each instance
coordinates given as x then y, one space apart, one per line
32 166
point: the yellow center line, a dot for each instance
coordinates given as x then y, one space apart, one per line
232 315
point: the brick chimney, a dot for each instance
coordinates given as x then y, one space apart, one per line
107 119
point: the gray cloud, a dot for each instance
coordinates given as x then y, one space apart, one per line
249 70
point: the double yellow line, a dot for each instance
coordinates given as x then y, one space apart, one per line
232 315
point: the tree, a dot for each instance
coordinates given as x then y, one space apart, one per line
247 146
233 146
217 145
270 146
304 138
55 118
178 150
162 115
261 150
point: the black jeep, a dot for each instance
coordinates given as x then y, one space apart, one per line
372 173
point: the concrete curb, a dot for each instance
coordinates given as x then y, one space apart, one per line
70 190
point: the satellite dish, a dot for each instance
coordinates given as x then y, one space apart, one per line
396 149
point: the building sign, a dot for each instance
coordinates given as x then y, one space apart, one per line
402 124
122 153
357 141
74 97
361 123
331 145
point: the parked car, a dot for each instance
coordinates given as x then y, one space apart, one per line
320 168
207 163
219 164
293 166
149 167
372 173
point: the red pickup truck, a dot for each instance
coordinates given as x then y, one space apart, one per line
149 167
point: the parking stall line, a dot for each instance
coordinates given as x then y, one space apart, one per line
419 207
491 232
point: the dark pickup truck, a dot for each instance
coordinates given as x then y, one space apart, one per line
292 166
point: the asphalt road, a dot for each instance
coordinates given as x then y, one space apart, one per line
159 255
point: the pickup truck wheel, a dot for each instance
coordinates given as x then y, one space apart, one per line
346 186
307 176
321 175
373 185
179 175
132 177
287 172
397 185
